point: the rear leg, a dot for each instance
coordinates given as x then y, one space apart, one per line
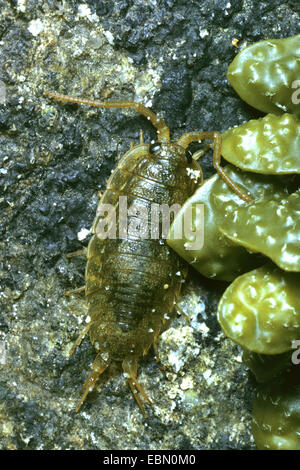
130 369
98 367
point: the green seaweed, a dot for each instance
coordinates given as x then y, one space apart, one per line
218 258
276 414
269 145
266 75
260 310
269 227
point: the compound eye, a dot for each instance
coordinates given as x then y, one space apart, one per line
154 147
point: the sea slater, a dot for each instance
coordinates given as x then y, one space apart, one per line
133 280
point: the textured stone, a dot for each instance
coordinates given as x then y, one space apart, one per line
172 55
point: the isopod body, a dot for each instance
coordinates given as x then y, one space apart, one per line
132 282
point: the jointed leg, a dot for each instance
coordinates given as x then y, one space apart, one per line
98 367
130 368
189 137
155 348
80 338
75 291
199 153
181 312
83 251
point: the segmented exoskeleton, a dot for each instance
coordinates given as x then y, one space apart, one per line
132 282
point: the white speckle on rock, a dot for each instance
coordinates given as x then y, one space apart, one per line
110 38
203 33
175 361
2 92
84 10
35 27
83 234
186 383
203 328
208 376
238 358
21 6
2 352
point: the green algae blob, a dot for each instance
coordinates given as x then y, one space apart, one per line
276 414
266 75
260 310
218 258
269 145
268 227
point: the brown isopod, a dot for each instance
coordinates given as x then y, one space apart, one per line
132 282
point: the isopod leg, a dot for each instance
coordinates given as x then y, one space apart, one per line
155 348
189 137
83 251
98 367
181 312
160 125
137 398
130 368
75 291
79 339
199 153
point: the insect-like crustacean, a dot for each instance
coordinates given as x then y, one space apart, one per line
132 283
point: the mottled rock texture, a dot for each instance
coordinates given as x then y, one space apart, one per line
172 55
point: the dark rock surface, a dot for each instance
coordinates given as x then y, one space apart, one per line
172 55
